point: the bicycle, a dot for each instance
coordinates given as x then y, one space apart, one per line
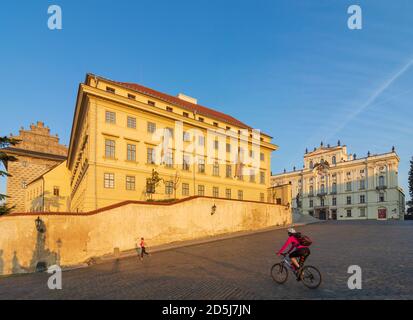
309 275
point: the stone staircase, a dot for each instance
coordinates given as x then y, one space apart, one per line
299 218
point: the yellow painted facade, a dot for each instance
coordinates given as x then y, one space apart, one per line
120 129
50 192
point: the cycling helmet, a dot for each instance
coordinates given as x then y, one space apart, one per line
291 231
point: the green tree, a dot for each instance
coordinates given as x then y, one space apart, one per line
4 158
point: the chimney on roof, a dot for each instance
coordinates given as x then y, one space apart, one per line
187 98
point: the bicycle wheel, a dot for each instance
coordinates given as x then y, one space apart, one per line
279 273
311 277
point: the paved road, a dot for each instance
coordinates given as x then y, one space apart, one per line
239 269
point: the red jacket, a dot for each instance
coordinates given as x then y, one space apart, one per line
294 244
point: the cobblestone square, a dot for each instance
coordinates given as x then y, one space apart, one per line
239 268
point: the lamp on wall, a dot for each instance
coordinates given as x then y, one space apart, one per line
213 209
39 225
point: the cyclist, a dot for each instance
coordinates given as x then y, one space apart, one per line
299 251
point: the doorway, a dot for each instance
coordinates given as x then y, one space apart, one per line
382 213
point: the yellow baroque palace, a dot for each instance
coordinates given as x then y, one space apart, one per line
125 137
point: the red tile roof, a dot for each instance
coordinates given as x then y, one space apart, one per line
192 107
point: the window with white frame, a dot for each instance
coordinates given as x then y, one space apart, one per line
109 148
110 117
130 182
109 180
215 192
131 122
185 189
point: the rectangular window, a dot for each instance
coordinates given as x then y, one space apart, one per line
131 122
262 197
334 187
186 136
228 171
131 96
311 203
215 192
215 169
109 148
169 132
240 195
169 109
185 162
362 212
348 186
262 177
169 159
381 197
348 200
201 190
228 193
252 175
131 152
110 90
150 156
151 127
348 213
201 165
201 141
110 117
109 180
252 154
130 183
334 201
185 189
228 147
362 198
185 114
200 119
169 187
362 184
215 124
151 103
262 157
56 191
216 144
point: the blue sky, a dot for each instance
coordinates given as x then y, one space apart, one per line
290 68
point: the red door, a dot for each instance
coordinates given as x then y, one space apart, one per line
382 214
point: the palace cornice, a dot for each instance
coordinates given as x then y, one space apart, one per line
345 164
34 154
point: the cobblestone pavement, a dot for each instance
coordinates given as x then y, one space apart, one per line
239 268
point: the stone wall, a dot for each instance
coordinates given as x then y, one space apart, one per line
70 239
